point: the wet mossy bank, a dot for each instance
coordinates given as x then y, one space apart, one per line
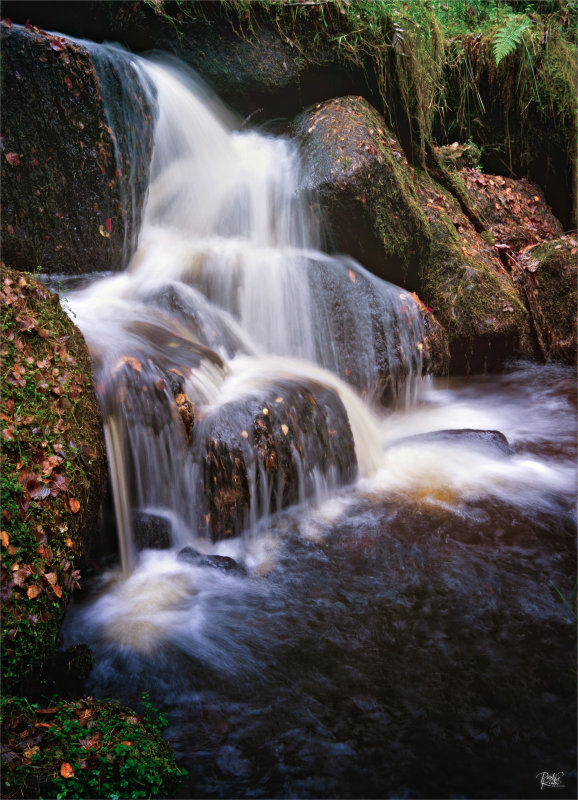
53 469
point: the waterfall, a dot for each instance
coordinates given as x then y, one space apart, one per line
237 364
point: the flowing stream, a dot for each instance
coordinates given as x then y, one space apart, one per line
345 603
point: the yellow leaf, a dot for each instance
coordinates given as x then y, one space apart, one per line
265 411
106 235
180 398
278 399
244 434
285 429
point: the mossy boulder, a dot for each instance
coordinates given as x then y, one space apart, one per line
356 170
548 278
515 211
53 472
465 284
70 203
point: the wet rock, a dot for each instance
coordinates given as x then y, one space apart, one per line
69 202
223 563
468 289
494 440
356 170
547 276
266 451
151 531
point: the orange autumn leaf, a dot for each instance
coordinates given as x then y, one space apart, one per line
33 591
57 590
66 770
69 543
72 505
51 577
5 539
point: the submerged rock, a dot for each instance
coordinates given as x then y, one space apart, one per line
356 170
477 438
266 451
71 193
223 563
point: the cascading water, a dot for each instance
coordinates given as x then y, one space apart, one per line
227 297
240 371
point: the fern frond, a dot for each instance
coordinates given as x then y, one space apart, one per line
509 36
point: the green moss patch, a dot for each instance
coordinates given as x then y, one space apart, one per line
89 748
53 471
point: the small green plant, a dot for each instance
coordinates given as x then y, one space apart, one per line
85 749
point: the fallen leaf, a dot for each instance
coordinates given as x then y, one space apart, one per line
72 505
131 361
68 82
352 276
13 159
108 224
66 770
51 577
102 232
285 429
5 538
57 590
33 591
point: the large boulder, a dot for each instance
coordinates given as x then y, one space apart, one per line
467 287
53 471
71 193
356 170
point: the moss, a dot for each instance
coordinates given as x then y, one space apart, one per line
468 290
53 471
87 748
